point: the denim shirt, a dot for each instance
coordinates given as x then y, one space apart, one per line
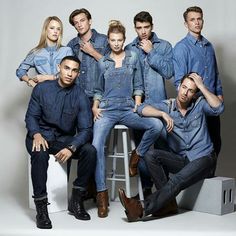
57 113
88 67
45 61
190 135
123 82
192 55
157 65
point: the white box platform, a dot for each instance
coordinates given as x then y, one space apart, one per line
213 195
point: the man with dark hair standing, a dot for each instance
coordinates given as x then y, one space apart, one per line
156 62
191 157
59 122
89 46
196 53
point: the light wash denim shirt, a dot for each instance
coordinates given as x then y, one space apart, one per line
88 66
58 112
192 55
123 82
45 61
190 135
157 65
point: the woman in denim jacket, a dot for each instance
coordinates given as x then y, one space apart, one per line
46 56
120 80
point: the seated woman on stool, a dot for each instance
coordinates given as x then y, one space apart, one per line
120 80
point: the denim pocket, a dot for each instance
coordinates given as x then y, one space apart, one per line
39 62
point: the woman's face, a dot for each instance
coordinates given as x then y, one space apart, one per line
53 31
116 42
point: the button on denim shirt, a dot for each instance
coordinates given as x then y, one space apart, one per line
45 61
190 135
119 83
58 112
191 55
88 67
157 65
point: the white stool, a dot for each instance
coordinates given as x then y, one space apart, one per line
56 186
113 176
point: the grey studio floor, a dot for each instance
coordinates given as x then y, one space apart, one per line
17 219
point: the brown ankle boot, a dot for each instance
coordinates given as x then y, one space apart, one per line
133 163
102 204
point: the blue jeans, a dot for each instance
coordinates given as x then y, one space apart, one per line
184 174
86 156
102 127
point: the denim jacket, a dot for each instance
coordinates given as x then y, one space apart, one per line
190 135
191 55
157 65
122 82
88 67
45 61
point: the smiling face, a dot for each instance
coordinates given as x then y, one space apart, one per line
82 24
194 23
143 30
116 42
69 70
53 31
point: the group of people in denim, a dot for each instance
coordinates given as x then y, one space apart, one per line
190 154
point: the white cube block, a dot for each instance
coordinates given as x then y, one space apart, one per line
214 196
56 186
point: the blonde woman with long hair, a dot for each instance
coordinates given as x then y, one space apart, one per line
46 56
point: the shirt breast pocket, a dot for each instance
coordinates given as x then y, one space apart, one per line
196 121
40 61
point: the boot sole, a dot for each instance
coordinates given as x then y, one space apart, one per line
78 218
44 227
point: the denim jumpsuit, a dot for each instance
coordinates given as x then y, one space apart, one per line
115 89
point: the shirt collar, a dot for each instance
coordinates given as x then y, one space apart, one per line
175 106
192 39
51 48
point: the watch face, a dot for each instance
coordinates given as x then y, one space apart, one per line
72 148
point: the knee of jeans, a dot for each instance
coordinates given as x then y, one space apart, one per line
149 156
40 156
157 126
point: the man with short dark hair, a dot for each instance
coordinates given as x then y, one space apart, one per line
157 66
191 157
59 122
89 46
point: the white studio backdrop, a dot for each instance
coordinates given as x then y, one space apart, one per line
20 28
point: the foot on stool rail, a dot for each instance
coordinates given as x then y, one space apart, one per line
133 163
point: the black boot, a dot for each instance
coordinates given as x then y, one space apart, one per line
42 218
76 205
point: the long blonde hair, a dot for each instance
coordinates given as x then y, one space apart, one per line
42 42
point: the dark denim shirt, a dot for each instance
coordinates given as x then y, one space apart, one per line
123 82
192 55
88 67
157 65
44 61
190 135
57 113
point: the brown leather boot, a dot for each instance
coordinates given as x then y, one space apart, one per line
170 209
133 164
102 204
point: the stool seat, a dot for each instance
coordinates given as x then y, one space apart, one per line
127 145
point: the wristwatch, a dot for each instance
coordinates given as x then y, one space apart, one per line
72 148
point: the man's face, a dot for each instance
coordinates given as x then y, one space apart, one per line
116 42
143 30
82 24
187 91
68 72
194 23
